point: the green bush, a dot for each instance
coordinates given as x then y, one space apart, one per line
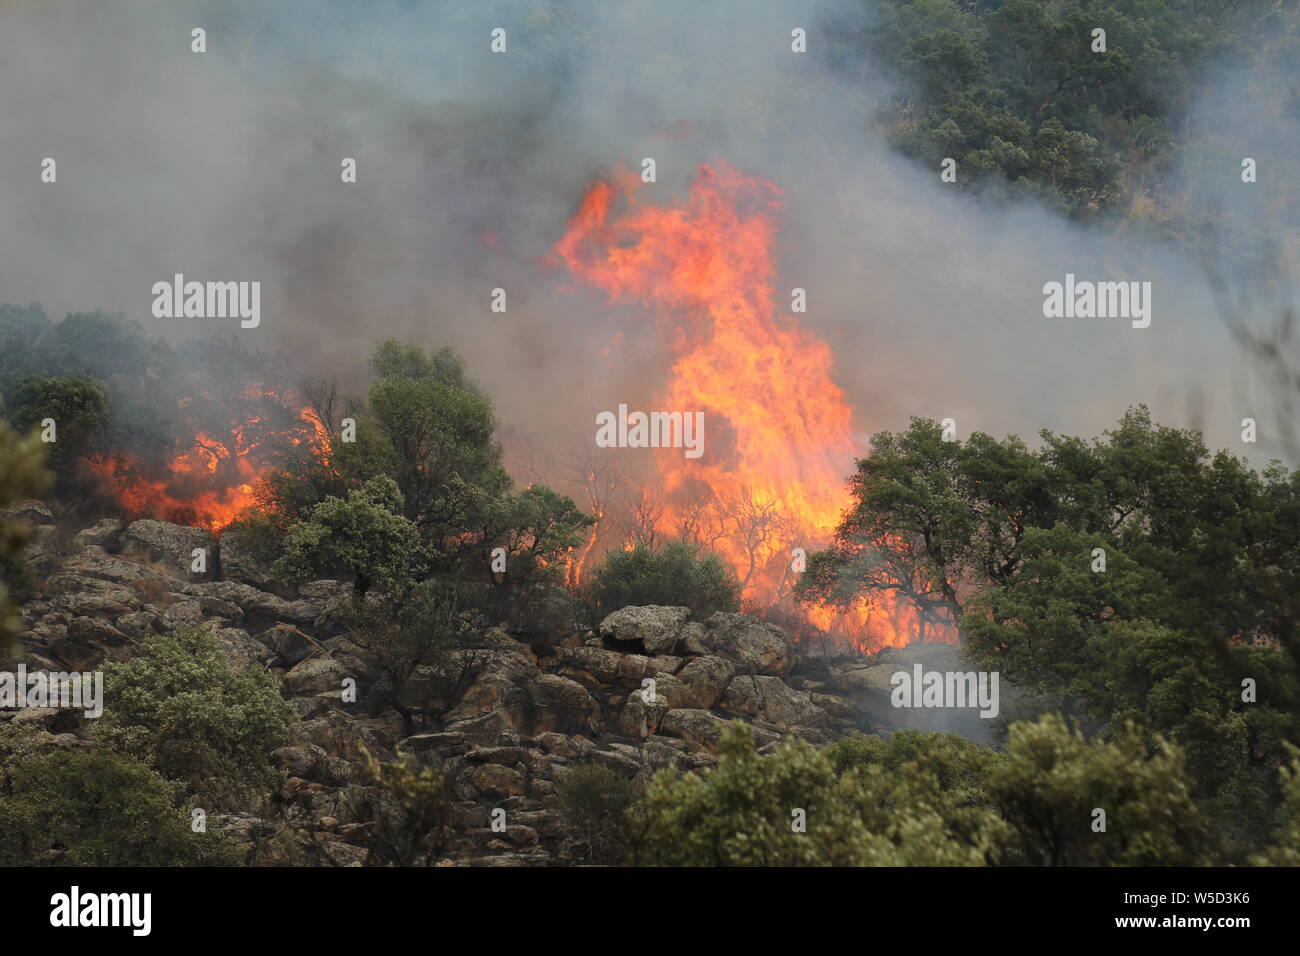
180 707
592 800
677 574
93 808
748 812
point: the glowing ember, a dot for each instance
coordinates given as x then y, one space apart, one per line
778 429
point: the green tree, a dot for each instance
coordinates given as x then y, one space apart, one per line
414 647
437 426
1285 847
78 407
593 801
1053 781
410 808
744 813
93 808
364 535
678 574
179 706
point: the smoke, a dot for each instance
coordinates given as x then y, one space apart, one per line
225 165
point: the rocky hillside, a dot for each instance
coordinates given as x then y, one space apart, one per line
651 689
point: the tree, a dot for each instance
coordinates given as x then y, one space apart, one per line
676 574
409 645
539 529
364 535
932 520
1053 782
438 427
1285 848
179 706
79 409
793 809
22 475
93 808
411 810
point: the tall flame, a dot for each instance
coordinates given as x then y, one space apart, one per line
779 437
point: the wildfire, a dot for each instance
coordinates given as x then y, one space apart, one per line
779 428
214 479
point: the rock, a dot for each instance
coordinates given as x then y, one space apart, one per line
315 675
691 640
494 780
706 678
754 647
862 677
655 626
240 563
772 699
103 534
559 704
298 761
642 714
289 645
240 648
32 512
139 624
562 745
170 547
600 663
699 727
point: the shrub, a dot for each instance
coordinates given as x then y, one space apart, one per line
678 574
592 800
793 809
1053 780
180 707
93 808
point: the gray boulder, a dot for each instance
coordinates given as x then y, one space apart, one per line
655 626
754 648
169 548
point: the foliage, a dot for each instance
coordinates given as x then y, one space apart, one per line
364 535
593 801
743 813
22 475
1197 594
93 808
79 408
678 574
412 810
1014 92
179 706
413 647
1284 849
1053 780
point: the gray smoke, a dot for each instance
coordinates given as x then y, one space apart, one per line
225 165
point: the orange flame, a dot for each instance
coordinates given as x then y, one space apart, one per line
778 430
211 482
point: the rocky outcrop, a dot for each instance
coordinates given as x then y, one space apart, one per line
169 548
650 689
